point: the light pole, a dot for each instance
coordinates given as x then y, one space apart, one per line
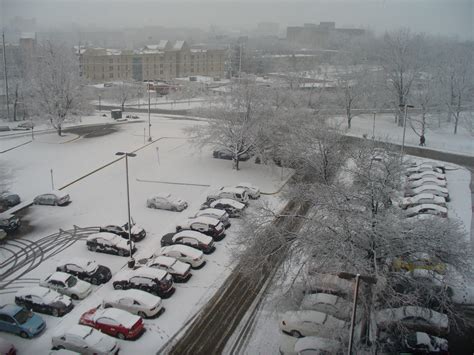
368 279
149 121
404 128
131 262
100 107
373 126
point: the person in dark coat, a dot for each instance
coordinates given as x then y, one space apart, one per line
422 140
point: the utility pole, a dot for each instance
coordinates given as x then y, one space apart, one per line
149 121
6 76
240 61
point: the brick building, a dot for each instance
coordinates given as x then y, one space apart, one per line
163 61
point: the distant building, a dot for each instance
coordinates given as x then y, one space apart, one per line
268 28
162 61
318 36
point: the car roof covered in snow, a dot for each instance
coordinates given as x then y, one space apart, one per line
123 317
192 252
59 276
427 205
205 219
423 195
229 201
210 211
315 298
316 343
114 238
430 187
306 315
83 263
39 291
75 329
144 271
142 296
193 234
397 314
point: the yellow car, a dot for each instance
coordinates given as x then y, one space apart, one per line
419 261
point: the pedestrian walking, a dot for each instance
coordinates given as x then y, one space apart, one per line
422 140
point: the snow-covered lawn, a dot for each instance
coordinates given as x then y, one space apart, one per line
100 199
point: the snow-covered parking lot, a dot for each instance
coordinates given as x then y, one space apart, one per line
100 199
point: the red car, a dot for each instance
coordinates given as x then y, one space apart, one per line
115 322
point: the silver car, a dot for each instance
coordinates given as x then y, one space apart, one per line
53 198
166 201
85 340
134 301
68 285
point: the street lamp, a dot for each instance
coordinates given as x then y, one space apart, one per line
149 122
368 279
131 262
373 126
406 106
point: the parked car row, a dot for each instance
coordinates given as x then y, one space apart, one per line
426 191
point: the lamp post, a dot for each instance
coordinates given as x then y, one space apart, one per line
100 107
373 126
131 262
404 128
149 122
368 279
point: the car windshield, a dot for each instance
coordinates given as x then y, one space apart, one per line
71 281
23 315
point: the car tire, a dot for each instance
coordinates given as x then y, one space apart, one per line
121 336
93 248
179 229
94 281
24 335
74 297
142 314
121 253
107 305
296 334
55 313
119 286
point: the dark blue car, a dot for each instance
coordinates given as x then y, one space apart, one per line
19 320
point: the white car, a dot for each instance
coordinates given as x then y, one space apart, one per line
421 199
426 181
252 191
331 304
136 302
190 238
221 215
430 189
53 198
207 225
166 201
84 340
416 168
306 323
427 209
155 281
424 174
44 300
232 207
109 243
177 269
234 193
308 345
67 284
415 318
185 254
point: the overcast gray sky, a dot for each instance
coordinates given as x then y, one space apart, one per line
446 17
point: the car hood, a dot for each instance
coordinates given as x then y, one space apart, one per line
136 229
181 268
34 323
80 287
100 342
62 300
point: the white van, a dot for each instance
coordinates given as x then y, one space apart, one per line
235 193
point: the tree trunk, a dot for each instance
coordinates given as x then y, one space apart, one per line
235 163
349 117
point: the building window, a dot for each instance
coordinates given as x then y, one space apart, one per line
111 60
161 71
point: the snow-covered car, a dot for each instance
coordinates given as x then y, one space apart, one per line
53 198
228 155
10 200
252 190
115 322
416 168
189 255
6 347
137 233
21 321
9 223
414 318
234 193
84 340
67 284
190 238
166 201
307 323
179 270
426 181
44 300
86 270
308 345
422 199
422 343
418 261
3 234
427 209
206 225
425 174
428 276
136 302
328 283
145 278
221 215
429 189
232 207
109 243
330 304
24 126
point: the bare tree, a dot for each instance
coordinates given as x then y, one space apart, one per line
123 92
56 87
236 122
402 62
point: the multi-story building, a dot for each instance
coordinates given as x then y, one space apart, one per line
163 61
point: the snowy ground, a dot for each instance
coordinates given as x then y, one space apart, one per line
101 199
